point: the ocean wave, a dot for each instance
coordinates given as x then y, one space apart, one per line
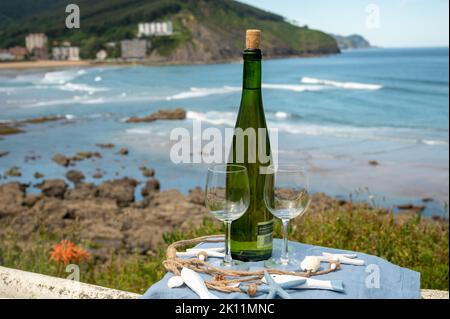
139 131
363 133
213 117
292 87
284 124
202 92
77 87
432 142
342 85
91 100
70 117
61 77
282 115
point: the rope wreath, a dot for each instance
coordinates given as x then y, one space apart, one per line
224 280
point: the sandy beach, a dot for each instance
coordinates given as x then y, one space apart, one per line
43 64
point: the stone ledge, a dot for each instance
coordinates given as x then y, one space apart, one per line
26 285
434 294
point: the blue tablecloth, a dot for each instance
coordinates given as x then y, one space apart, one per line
394 282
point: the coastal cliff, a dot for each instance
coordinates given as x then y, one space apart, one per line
204 31
354 41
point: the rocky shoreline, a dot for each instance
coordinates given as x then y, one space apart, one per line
108 215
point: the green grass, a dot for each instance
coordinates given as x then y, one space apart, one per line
415 243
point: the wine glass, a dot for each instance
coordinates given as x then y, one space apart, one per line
287 197
228 198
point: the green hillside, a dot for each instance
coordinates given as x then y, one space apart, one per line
205 30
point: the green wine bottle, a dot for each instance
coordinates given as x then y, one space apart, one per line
252 234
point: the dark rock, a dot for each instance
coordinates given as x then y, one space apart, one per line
13 172
122 191
342 202
12 196
87 155
2 154
70 214
411 208
31 200
105 235
123 151
197 196
12 192
43 119
61 160
97 175
53 188
6 129
106 146
439 219
38 175
150 187
374 163
82 191
176 114
29 158
75 176
147 172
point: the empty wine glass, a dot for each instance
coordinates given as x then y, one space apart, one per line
287 198
228 198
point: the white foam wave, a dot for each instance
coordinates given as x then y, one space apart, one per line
364 133
139 131
61 77
342 85
90 100
339 131
432 142
282 115
77 87
292 87
70 117
202 92
213 117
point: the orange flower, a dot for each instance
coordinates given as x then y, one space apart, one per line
67 252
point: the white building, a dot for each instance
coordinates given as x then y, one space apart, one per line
5 55
35 41
134 49
155 29
101 55
66 53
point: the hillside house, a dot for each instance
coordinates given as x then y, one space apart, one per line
155 29
134 49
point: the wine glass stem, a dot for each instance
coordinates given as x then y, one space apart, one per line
227 259
284 251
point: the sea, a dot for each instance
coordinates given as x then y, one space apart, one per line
332 114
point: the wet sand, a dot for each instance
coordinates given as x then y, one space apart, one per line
23 65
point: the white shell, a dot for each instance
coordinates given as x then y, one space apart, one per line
310 263
197 284
175 282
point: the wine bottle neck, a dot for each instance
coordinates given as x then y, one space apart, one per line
252 69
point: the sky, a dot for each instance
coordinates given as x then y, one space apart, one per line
386 23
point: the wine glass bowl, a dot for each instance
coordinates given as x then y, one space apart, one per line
286 198
289 203
227 198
